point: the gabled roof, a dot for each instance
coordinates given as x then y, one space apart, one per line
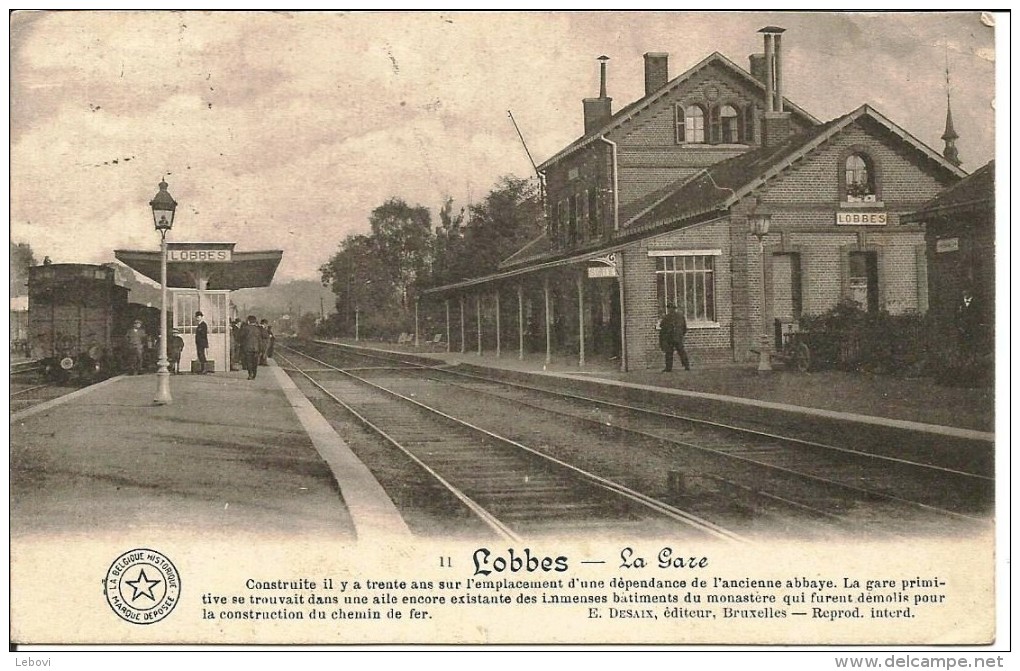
630 111
975 192
707 196
720 186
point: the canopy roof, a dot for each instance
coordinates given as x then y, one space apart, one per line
243 270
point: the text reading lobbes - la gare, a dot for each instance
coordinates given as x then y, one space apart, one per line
485 563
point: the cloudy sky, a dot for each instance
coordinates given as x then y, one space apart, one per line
283 131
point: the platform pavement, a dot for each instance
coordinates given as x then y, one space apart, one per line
229 455
868 398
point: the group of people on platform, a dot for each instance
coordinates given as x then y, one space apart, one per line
251 345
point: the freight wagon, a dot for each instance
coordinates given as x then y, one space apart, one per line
78 316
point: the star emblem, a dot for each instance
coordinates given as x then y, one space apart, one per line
142 586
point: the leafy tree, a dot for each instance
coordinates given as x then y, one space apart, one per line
402 236
448 244
509 217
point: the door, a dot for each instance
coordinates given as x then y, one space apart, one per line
864 280
215 308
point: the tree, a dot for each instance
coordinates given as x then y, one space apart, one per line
21 260
447 250
403 239
509 217
375 276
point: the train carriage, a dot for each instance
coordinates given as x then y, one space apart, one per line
78 316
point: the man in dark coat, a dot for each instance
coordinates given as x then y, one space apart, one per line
173 352
250 338
671 337
201 340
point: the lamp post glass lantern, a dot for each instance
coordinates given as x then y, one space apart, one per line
163 208
761 218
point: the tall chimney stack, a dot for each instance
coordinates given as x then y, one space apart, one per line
602 75
656 71
776 127
598 111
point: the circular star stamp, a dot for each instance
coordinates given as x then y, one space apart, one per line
142 586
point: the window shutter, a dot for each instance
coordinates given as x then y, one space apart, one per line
715 122
681 135
748 129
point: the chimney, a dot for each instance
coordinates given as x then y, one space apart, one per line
656 71
597 111
757 66
776 126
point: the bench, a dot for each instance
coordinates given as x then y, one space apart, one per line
437 341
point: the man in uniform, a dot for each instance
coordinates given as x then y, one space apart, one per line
672 330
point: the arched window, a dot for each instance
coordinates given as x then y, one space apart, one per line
729 121
694 123
860 178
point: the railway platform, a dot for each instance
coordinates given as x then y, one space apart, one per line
864 409
228 455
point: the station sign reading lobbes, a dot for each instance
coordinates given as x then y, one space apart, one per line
861 218
199 255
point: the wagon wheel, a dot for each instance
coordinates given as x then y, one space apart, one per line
802 357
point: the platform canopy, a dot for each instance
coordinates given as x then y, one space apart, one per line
205 265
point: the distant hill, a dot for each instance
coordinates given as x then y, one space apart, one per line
294 298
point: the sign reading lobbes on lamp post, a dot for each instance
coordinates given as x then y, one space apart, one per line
199 255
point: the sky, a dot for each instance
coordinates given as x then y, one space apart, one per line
280 130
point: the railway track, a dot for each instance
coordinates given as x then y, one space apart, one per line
29 387
25 367
866 492
25 394
517 491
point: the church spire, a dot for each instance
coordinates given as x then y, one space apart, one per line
949 136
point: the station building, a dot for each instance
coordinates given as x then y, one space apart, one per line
655 204
960 246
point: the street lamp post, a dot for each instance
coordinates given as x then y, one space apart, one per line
163 208
760 219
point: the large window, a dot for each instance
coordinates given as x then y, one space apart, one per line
594 220
560 223
687 280
860 178
718 124
572 223
690 124
729 121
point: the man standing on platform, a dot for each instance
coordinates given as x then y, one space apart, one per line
672 330
250 338
136 339
201 340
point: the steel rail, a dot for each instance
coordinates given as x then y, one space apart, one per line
717 425
659 507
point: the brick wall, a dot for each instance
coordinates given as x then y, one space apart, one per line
705 344
712 85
